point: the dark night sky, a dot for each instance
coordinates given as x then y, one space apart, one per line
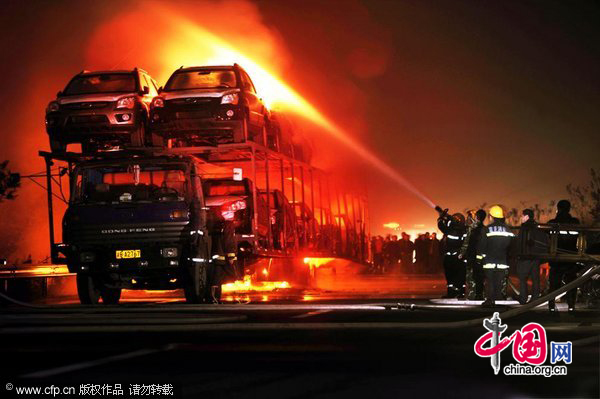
474 101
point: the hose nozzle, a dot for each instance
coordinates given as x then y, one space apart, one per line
442 212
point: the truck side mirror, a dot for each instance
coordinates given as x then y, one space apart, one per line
160 89
145 90
59 93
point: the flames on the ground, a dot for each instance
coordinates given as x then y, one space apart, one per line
248 285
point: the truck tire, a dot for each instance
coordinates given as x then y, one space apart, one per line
194 285
57 146
110 296
87 289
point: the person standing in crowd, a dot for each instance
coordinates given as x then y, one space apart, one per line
426 251
407 249
493 250
468 253
434 254
566 243
531 241
377 250
453 228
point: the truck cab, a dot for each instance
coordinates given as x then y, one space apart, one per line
136 223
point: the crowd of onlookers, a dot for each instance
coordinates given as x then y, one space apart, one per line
392 254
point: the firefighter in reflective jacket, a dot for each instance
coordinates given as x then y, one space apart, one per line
493 250
468 253
566 244
223 261
454 231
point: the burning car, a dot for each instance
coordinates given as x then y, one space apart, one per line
101 108
210 105
283 221
235 201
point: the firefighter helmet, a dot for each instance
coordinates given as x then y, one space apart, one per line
497 212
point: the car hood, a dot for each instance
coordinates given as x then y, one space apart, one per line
210 93
93 97
223 199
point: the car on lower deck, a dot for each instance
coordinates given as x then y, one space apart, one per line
101 108
234 201
209 105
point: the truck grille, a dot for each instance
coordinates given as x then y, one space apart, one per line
85 105
127 233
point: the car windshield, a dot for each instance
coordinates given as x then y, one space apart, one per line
214 188
101 83
131 183
203 79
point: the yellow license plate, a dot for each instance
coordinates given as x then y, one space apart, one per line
129 254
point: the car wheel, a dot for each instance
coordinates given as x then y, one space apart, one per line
87 289
57 146
137 136
110 296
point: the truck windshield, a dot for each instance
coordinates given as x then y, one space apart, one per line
204 79
101 83
131 183
214 188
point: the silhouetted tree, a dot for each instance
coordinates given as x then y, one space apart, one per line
586 199
9 182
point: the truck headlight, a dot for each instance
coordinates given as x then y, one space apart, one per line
158 102
230 99
126 102
87 257
169 252
52 107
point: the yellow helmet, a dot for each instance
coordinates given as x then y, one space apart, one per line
497 212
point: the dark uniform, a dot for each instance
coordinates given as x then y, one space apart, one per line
468 253
454 268
223 261
495 242
531 241
567 243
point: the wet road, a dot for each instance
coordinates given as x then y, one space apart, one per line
347 336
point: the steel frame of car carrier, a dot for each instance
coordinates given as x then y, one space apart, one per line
343 213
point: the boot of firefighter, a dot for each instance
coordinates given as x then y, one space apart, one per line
451 291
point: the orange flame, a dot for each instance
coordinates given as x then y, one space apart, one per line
247 285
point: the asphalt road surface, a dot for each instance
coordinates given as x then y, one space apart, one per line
365 336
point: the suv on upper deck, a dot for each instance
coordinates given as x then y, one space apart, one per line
101 108
210 105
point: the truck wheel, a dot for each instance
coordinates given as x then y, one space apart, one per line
57 146
87 289
194 283
137 136
110 296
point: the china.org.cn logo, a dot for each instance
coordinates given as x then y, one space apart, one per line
529 349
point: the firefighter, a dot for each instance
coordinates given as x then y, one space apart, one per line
531 241
223 261
566 244
495 242
454 229
468 253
